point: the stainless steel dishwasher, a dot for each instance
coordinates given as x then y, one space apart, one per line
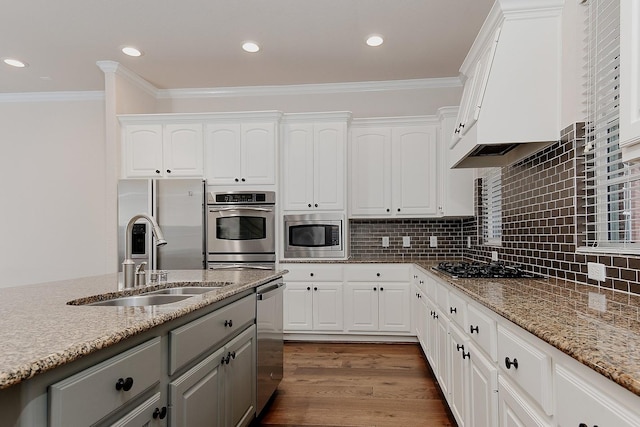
269 320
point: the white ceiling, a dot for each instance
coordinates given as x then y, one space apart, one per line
197 43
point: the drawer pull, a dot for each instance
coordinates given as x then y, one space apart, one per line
315 288
460 347
453 310
508 363
228 323
160 413
473 328
466 355
124 384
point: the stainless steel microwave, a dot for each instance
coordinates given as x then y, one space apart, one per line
314 236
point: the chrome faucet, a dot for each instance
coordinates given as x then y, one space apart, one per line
128 265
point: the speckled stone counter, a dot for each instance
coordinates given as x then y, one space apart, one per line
39 331
557 311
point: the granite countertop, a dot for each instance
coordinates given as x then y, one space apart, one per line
557 311
39 331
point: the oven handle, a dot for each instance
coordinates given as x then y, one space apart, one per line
271 292
248 208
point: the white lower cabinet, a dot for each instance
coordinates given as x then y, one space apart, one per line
377 307
515 409
313 306
483 389
581 400
459 380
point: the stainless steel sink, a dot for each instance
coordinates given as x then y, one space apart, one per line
142 300
184 290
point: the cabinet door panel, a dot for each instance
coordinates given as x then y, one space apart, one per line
514 410
483 390
394 303
222 153
328 168
298 307
414 156
183 150
361 307
258 153
459 385
143 150
371 172
240 379
196 397
298 163
142 415
327 307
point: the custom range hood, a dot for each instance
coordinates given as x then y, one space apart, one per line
510 106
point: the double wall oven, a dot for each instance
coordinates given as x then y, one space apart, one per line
240 230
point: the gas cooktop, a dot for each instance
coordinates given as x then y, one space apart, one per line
478 269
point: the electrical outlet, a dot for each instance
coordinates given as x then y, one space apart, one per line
494 255
596 271
385 242
597 301
406 242
433 241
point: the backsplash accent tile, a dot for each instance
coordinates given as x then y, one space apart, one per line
543 218
366 239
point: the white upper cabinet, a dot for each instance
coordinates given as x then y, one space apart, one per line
394 170
155 148
630 79
314 162
240 153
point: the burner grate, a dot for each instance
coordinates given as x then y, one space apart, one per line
476 269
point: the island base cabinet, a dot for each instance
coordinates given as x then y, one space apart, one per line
514 411
148 414
220 390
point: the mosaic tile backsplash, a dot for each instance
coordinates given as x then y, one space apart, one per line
541 220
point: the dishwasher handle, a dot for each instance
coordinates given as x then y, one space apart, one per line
270 291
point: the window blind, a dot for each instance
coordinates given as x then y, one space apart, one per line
612 187
492 206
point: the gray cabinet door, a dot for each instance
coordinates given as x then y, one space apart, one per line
240 378
196 398
143 414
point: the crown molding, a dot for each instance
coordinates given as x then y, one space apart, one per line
310 89
394 121
133 78
444 112
52 96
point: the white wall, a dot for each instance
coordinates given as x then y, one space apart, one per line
382 103
52 181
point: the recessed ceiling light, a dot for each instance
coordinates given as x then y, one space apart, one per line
251 47
131 51
374 40
14 62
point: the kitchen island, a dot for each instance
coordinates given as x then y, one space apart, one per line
46 339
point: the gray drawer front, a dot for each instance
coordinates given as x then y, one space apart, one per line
189 341
88 396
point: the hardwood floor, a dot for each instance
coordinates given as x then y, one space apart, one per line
327 384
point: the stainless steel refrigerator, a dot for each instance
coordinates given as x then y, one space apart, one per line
178 205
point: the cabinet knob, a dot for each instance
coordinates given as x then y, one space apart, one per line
124 384
375 289
309 205
243 180
157 171
453 310
466 355
422 282
435 315
316 205
160 413
388 210
508 363
168 170
311 274
378 274
381 289
473 329
308 288
315 288
236 180
398 209
228 323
